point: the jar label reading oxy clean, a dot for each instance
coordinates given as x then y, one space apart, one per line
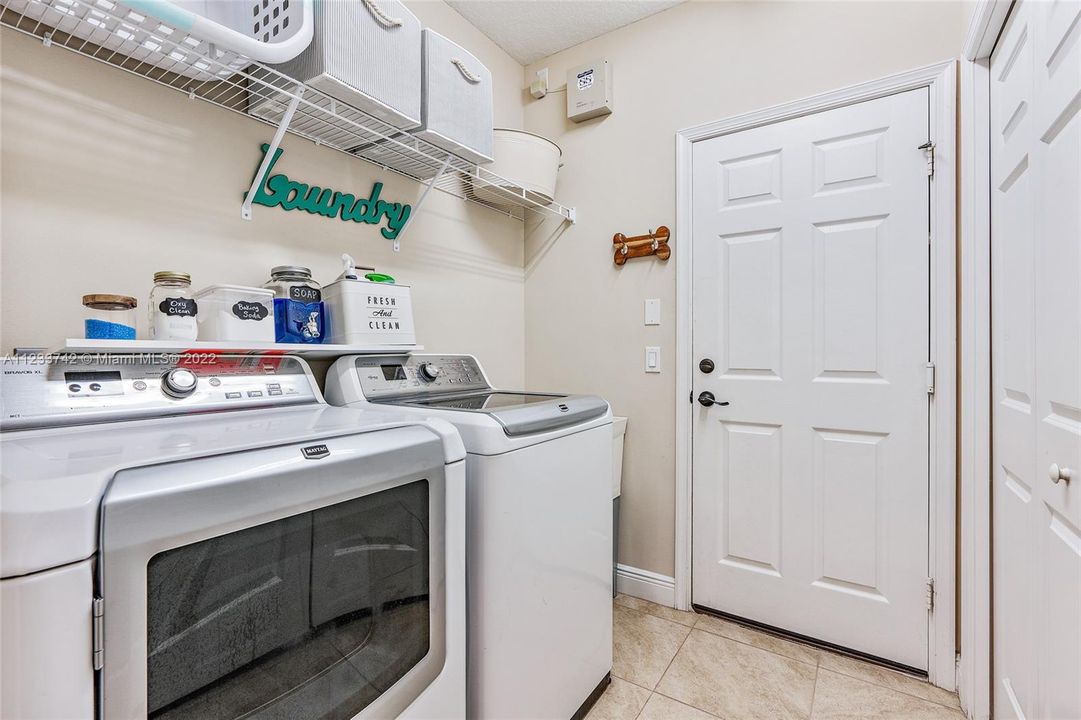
178 307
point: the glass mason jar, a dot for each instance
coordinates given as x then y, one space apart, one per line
298 305
109 317
173 310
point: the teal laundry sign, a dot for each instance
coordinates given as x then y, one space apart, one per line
279 190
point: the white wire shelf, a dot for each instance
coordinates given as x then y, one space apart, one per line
79 346
112 33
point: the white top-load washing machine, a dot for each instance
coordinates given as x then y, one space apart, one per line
203 537
539 527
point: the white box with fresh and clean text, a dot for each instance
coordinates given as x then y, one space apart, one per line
361 312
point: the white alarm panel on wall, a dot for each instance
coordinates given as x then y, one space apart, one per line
589 90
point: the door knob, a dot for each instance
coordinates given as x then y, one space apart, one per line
1056 473
707 399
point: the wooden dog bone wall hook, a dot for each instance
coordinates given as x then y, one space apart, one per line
652 243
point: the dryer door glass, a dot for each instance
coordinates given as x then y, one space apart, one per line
314 615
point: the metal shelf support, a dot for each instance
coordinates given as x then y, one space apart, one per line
420 201
268 156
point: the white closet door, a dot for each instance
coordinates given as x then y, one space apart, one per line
1036 359
810 489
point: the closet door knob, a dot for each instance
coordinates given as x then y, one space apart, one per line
1056 473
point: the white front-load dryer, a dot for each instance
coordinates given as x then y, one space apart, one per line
539 527
207 538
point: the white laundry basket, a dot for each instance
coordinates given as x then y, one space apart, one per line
201 39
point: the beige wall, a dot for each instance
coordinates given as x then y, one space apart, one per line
688 65
106 177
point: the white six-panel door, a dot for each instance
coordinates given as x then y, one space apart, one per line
1036 361
810 292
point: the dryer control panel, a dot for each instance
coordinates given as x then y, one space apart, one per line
383 377
56 390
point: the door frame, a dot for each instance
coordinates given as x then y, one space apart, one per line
974 667
940 79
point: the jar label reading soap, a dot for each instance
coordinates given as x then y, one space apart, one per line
305 294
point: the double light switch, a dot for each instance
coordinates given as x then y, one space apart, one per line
652 316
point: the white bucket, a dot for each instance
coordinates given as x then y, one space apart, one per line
525 163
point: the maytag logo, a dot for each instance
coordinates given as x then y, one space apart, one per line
314 452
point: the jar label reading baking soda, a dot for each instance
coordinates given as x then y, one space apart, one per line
250 310
178 307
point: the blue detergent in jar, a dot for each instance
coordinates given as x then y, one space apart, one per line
109 317
298 305
105 330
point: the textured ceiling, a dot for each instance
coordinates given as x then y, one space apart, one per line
530 30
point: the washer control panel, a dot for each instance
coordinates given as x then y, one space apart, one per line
47 391
398 376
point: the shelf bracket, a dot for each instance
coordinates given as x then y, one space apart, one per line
420 201
268 157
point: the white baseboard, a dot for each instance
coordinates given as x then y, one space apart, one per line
646 585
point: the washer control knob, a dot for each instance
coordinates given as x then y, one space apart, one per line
429 371
178 383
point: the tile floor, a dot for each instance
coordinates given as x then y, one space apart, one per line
673 665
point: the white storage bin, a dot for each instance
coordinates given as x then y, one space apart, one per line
180 35
361 312
236 312
366 54
457 100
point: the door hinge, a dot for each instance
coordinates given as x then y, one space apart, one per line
930 594
99 633
929 151
930 378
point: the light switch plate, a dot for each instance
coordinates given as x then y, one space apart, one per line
653 359
653 311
